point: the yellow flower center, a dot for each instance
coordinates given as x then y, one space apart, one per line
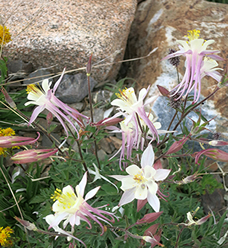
67 200
193 34
33 89
5 35
139 178
125 94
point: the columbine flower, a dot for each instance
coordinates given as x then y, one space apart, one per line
73 207
32 155
45 99
133 137
198 222
5 36
141 182
130 107
196 66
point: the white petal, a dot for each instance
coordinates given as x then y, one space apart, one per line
108 112
82 184
45 85
154 202
118 177
68 189
149 172
128 196
133 170
91 193
142 94
147 157
161 174
152 186
141 192
128 183
184 44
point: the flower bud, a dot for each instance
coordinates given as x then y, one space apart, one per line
163 90
8 99
49 118
33 155
177 145
148 218
11 141
30 226
107 122
89 66
215 154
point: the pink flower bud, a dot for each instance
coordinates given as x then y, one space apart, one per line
107 122
202 220
29 156
26 224
49 118
11 141
215 154
141 204
218 143
177 145
152 236
188 179
148 218
163 91
8 99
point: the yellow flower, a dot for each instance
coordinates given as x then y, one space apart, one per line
5 233
5 36
6 132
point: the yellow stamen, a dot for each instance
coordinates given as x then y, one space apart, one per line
139 178
125 94
32 88
56 195
193 34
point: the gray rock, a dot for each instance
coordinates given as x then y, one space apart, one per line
73 88
37 76
14 66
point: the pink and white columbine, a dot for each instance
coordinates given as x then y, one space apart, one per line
197 66
72 208
141 183
130 107
132 136
45 99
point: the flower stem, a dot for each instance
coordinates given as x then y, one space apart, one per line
91 113
184 115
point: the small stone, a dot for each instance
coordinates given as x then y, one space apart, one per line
37 76
73 88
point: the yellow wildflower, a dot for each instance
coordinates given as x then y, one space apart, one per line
5 238
6 132
5 36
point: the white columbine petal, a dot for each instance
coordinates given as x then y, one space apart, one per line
147 157
161 174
